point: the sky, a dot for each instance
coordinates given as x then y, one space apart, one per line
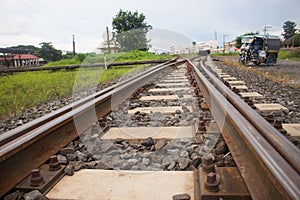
30 22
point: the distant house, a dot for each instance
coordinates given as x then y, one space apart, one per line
113 47
18 60
287 43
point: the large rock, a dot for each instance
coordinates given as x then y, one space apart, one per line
146 161
184 154
221 148
167 160
148 142
62 159
34 195
171 166
161 143
69 170
106 146
183 163
13 196
80 156
67 150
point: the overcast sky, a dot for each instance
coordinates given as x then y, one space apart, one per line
35 21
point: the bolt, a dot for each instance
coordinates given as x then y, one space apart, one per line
208 165
211 184
36 178
249 102
247 99
54 164
270 118
278 126
101 122
235 90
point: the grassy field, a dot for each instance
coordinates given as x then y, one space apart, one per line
25 90
118 57
225 54
289 54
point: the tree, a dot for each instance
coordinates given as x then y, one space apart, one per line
131 30
238 39
48 52
289 29
29 48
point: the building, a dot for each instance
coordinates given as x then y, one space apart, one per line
113 47
18 60
177 49
211 45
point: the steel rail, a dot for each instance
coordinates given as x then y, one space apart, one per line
71 67
22 154
287 149
266 173
17 132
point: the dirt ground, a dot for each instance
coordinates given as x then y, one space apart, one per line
286 69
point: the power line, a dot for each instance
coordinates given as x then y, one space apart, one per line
265 29
55 21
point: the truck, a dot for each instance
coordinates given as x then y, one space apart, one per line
259 49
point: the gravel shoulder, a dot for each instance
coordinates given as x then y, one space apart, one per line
288 71
278 84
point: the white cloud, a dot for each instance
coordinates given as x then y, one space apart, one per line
55 21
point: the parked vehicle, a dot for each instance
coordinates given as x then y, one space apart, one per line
259 49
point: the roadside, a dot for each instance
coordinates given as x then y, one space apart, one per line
285 71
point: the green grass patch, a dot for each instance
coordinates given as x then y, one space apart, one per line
289 54
25 90
225 54
135 55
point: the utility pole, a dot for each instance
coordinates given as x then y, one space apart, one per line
73 45
266 28
216 36
224 43
107 32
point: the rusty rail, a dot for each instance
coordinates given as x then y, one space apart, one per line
267 174
19 131
72 67
289 151
29 147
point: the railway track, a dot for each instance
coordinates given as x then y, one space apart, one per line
167 126
9 70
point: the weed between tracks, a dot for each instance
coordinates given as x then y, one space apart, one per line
25 90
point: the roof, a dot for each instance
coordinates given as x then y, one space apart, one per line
18 56
262 36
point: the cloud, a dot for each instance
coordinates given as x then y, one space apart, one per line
57 20
13 27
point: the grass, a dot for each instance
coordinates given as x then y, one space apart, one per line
77 60
25 90
225 54
135 55
289 54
